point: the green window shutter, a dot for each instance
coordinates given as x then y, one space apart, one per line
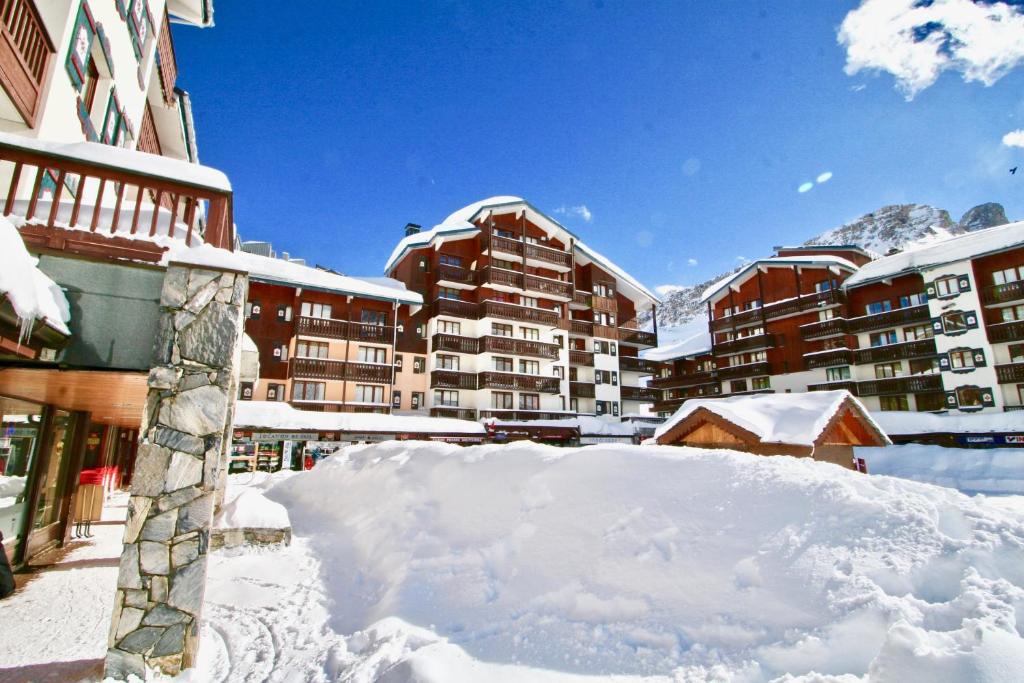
81 43
937 325
112 120
929 288
964 281
979 358
988 398
944 363
951 401
972 320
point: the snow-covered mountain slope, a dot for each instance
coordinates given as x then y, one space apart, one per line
890 227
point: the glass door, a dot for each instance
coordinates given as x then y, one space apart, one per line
19 435
47 527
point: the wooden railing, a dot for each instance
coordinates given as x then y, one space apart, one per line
456 308
549 287
827 359
849 385
343 329
328 369
747 370
639 394
511 381
583 328
1009 373
518 347
25 51
450 379
581 389
504 245
606 331
900 316
634 364
450 273
999 294
687 380
584 358
891 352
522 415
779 309
554 256
1005 332
455 344
913 384
757 341
637 337
103 210
167 65
581 298
457 413
501 276
499 309
825 328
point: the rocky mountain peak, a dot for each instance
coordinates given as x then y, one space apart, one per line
983 216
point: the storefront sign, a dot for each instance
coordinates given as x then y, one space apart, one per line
284 436
991 439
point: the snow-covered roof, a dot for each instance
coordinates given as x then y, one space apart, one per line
120 159
275 415
690 339
460 223
969 245
587 425
33 295
821 260
797 418
907 422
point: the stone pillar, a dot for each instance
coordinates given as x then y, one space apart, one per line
182 449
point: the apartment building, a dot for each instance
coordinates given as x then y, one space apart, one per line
936 328
522 320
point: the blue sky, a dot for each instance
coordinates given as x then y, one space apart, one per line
684 128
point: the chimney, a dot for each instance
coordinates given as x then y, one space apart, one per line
411 229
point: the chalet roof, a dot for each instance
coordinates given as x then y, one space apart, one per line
969 245
797 419
691 339
820 260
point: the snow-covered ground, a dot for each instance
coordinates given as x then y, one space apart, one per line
429 562
971 470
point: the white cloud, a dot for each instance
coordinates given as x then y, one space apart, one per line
1015 138
824 177
805 187
581 210
916 41
691 261
691 166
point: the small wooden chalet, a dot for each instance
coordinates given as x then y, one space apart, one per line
824 425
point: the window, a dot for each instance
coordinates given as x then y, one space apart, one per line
924 366
893 403
501 330
918 332
758 357
969 397
284 313
606 319
751 305
275 392
423 264
615 378
369 393
449 260
559 340
445 362
529 367
606 377
311 349
370 354
1016 353
396 399
308 391
502 364
559 371
529 401
883 338
379 318
924 402
606 290
837 374
954 321
417 400
759 383
886 370
449 327
1001 277
600 346
574 405
419 365
825 286
531 333
448 293
502 400
913 300
603 407
446 397
312 310
1011 313
879 307
947 286
281 352
738 386
960 359
507 234
574 374
528 301
501 263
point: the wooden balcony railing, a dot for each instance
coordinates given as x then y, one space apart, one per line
914 384
450 379
456 308
501 276
1010 373
583 328
1006 332
584 358
25 51
826 328
453 343
606 331
510 381
524 415
457 413
167 65
849 385
450 273
752 343
552 256
518 347
649 394
1001 294
328 369
104 202
343 329
549 287
880 354
746 370
641 365
504 245
637 337
581 389
828 359
688 380
779 309
900 316
581 298
500 309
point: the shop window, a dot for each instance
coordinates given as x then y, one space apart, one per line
502 364
501 400
529 401
445 362
839 374
893 402
369 393
446 398
887 370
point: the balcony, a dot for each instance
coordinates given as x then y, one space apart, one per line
629 335
755 342
641 365
828 359
582 328
1010 373
110 203
645 394
1002 294
502 278
688 380
167 65
549 288
503 246
915 384
581 389
328 369
900 316
455 276
881 354
453 343
25 51
581 299
526 314
450 379
518 347
456 309
548 257
343 329
1006 332
584 358
778 309
849 385
605 331
746 370
456 413
835 327
508 381
523 415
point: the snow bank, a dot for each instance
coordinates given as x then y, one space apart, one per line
248 508
906 422
31 292
973 470
586 424
652 561
279 415
11 488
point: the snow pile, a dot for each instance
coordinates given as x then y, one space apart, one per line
972 470
774 418
11 488
675 563
586 424
33 295
907 422
248 508
692 338
280 415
